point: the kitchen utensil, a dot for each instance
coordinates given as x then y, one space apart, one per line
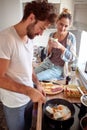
58 101
39 116
84 96
49 81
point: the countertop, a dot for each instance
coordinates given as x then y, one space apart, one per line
37 121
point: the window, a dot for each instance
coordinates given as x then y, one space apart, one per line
83 57
83 49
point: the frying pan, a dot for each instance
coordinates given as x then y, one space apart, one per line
58 101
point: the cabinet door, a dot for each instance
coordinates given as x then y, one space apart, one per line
80 16
54 1
80 1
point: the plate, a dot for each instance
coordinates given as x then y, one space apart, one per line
51 88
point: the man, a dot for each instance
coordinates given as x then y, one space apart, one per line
16 53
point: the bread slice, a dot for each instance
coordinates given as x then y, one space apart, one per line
71 91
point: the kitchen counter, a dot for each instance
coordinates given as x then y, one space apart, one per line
37 122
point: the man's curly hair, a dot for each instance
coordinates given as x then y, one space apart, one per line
42 11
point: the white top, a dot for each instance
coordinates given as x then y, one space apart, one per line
20 69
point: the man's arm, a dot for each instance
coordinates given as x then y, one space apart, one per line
37 83
34 78
9 84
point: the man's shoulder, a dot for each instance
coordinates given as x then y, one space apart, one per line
7 33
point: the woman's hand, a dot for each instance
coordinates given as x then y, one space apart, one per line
55 44
52 44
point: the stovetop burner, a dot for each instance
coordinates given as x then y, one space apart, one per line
57 126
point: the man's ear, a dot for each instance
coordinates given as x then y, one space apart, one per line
31 18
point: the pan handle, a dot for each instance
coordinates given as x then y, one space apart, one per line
78 105
79 87
39 117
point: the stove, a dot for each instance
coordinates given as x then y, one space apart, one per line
57 126
73 123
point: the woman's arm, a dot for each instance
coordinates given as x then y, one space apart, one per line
70 51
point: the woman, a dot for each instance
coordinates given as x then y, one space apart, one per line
58 52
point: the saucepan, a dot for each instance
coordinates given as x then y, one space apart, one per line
54 103
83 99
83 122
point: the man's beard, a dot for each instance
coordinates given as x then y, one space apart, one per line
30 30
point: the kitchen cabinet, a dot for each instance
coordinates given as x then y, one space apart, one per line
69 4
66 4
80 16
54 1
24 1
80 2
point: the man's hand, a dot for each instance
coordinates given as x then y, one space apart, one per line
37 96
41 89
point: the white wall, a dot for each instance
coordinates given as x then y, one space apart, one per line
43 40
10 12
68 4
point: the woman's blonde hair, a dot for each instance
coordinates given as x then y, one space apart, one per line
65 14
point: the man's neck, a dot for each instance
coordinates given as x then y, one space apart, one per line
21 31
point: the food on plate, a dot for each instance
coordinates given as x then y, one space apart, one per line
51 88
71 91
60 111
47 84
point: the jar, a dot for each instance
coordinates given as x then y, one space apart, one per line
73 79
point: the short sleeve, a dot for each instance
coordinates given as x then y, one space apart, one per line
5 46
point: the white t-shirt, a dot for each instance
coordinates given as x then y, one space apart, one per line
20 69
